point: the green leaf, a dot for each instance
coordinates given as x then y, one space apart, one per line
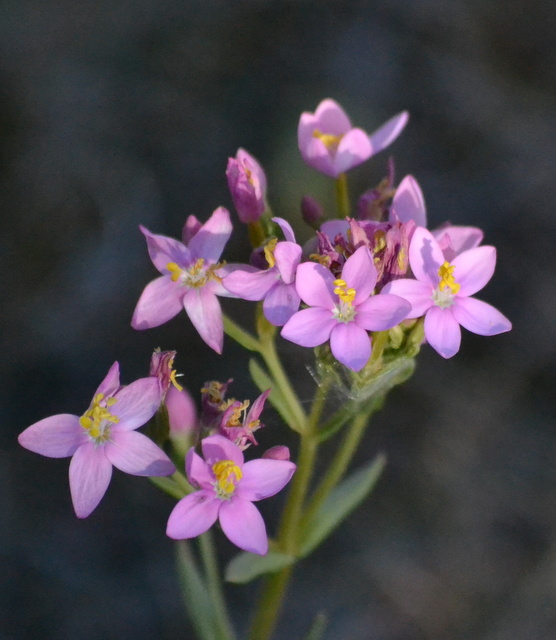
341 501
195 593
263 381
248 566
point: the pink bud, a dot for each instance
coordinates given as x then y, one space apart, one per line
277 453
247 183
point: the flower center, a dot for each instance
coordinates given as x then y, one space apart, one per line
331 142
195 276
228 474
447 287
345 311
97 420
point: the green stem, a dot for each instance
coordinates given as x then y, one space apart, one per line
342 196
214 583
242 337
270 355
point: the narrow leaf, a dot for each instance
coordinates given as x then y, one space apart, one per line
195 593
248 566
341 501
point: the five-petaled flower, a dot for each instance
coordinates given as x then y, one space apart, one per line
227 489
441 292
103 436
328 142
275 285
191 278
342 310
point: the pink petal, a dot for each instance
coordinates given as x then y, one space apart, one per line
425 256
190 228
281 303
382 312
473 269
309 327
479 317
182 412
243 525
315 285
89 476
442 331
218 288
210 240
455 239
203 309
360 273
409 203
388 132
331 118
216 448
286 227
288 256
136 403
193 515
418 294
111 382
317 155
350 345
251 286
55 437
134 453
163 250
354 148
159 302
263 478
198 472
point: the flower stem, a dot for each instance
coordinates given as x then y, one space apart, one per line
342 196
242 337
214 583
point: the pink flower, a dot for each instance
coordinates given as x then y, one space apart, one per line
103 436
247 183
275 285
227 489
343 310
191 278
241 431
442 292
328 142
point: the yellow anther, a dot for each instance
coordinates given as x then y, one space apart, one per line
235 419
380 241
402 260
447 280
175 271
345 294
227 474
97 419
174 381
269 252
330 141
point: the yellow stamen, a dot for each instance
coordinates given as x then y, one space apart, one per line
269 252
330 141
174 270
447 280
345 295
228 474
95 419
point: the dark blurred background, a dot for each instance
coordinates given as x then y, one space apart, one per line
119 113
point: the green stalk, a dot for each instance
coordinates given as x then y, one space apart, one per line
214 583
342 196
242 337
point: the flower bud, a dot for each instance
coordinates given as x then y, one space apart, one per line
277 453
247 184
311 211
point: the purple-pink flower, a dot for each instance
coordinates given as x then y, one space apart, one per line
328 142
240 430
247 183
343 310
191 278
442 292
103 436
275 285
228 486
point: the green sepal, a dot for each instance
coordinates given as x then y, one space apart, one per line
342 500
248 566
